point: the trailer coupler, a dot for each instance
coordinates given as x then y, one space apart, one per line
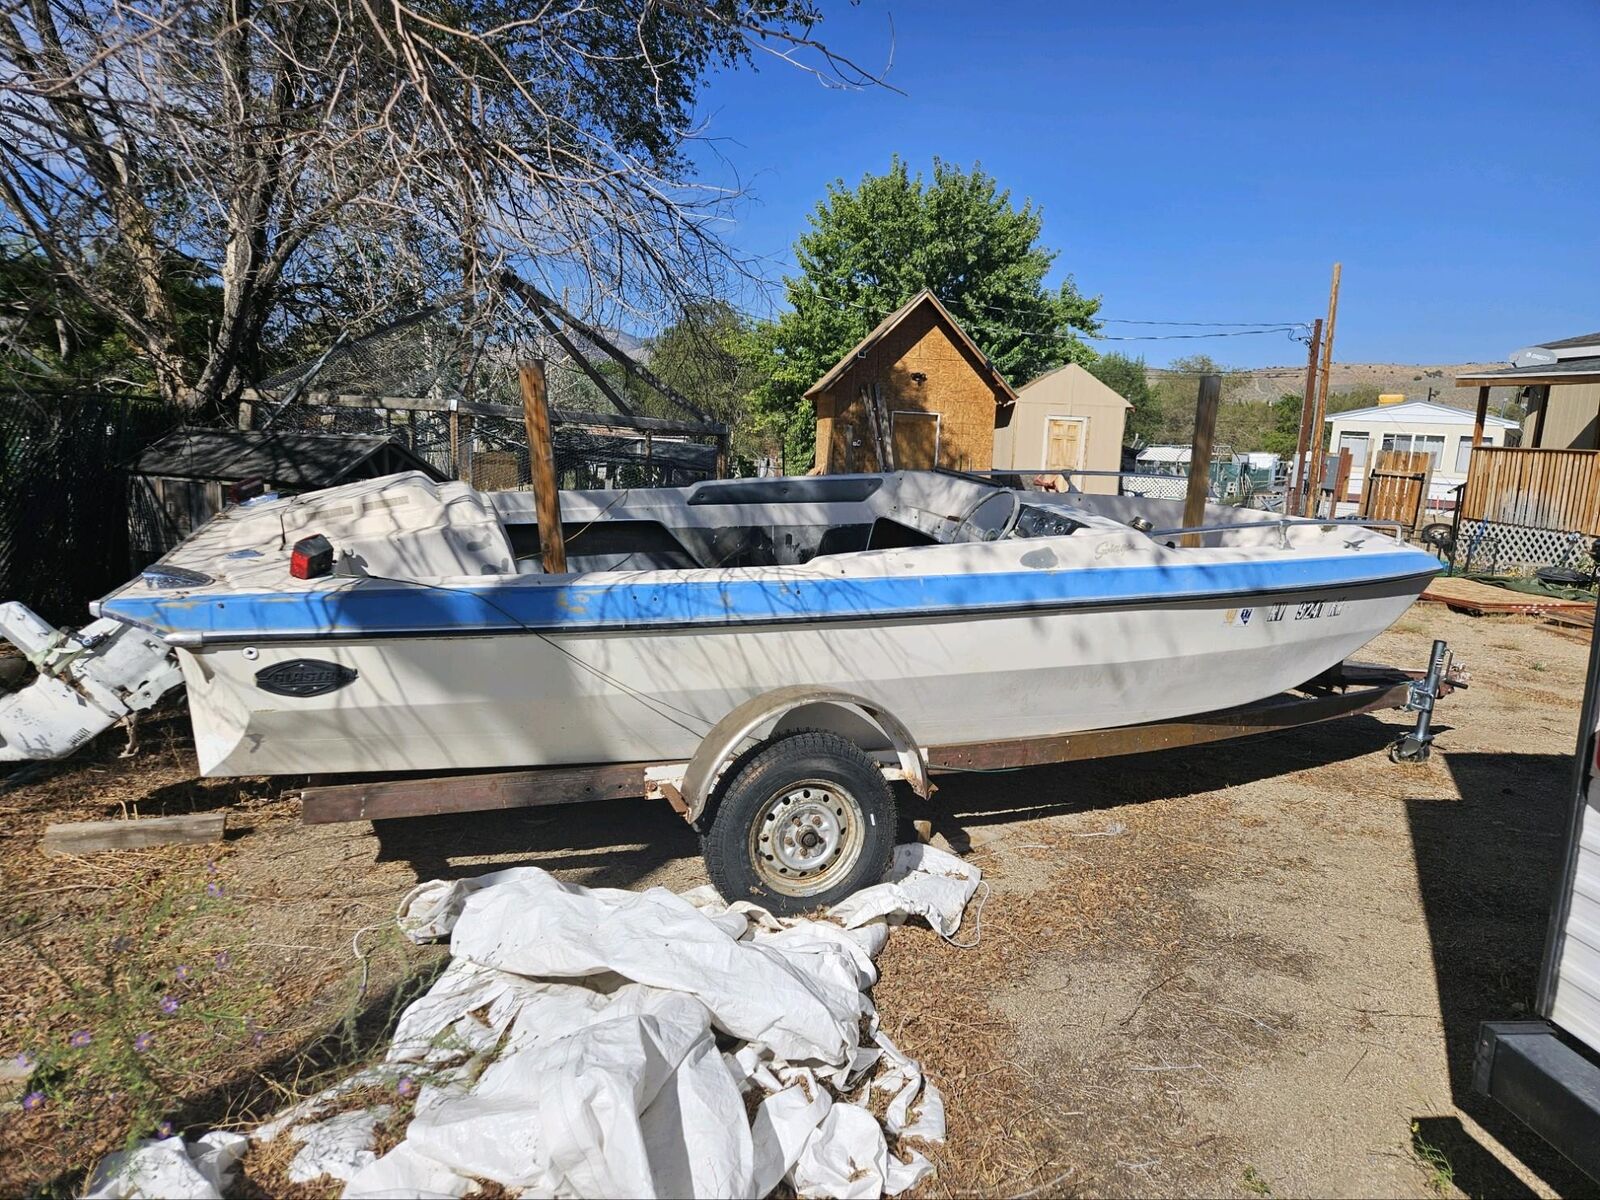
1441 679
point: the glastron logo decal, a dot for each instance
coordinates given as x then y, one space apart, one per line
303 677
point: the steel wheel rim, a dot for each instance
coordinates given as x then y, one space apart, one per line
806 837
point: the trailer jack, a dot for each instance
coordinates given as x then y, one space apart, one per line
1442 678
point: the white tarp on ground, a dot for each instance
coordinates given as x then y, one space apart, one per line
600 1042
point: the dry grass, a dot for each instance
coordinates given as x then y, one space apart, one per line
1018 1126
99 938
1135 1101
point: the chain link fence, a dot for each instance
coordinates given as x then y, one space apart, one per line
492 451
400 379
64 495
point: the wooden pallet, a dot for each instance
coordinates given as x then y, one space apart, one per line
1478 599
1572 619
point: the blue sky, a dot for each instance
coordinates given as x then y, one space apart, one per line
1210 162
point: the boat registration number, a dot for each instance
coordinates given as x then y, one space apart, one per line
1309 610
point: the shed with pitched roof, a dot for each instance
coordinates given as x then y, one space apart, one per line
915 393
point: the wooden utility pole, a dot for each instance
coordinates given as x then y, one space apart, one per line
1314 475
542 468
1481 416
1294 504
1207 401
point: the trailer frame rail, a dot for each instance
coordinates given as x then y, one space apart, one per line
1348 689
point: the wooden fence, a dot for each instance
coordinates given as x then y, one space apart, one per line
1396 489
1537 489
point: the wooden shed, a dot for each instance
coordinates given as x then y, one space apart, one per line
189 476
1066 419
914 393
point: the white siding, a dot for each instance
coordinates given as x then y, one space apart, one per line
1575 1004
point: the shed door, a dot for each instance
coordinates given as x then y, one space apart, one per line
916 440
1063 442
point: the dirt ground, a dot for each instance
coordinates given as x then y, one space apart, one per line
1252 969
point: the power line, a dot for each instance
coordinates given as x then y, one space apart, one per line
1291 330
1206 324
1233 328
1264 326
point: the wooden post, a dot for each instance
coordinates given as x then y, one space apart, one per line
1315 479
1483 412
88 837
1294 503
467 444
1538 424
724 455
455 443
542 468
1207 401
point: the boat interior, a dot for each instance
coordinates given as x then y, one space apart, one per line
408 527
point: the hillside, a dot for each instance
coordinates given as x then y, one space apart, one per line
1268 383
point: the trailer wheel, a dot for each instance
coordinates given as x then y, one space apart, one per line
804 821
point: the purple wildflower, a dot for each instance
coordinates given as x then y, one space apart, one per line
79 1039
214 890
224 960
32 1101
143 1042
164 1129
211 866
169 1004
24 1061
406 1086
182 972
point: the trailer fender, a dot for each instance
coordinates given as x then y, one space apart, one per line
799 707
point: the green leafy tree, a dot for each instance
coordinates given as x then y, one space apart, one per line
52 338
708 356
1129 378
1284 436
317 156
871 247
1241 422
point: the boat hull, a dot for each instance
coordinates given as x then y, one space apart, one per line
527 698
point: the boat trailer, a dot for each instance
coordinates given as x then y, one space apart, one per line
1346 690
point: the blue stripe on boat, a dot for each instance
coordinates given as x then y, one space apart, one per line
369 607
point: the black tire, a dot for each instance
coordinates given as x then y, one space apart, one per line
808 785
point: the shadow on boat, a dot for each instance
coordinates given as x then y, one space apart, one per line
1487 867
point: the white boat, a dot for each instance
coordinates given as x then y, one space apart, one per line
967 611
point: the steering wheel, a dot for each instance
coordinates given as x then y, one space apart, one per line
993 517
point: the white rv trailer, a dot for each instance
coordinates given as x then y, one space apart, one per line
1546 1071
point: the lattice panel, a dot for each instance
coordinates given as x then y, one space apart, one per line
1490 547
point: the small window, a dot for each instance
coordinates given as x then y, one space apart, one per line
1356 443
1432 443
